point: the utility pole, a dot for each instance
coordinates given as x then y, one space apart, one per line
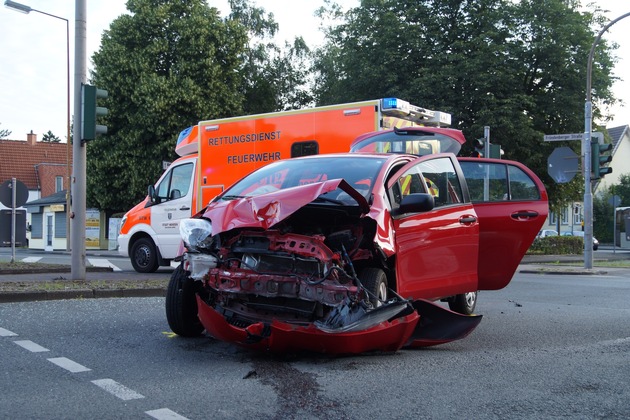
77 230
586 152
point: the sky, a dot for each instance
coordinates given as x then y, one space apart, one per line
33 54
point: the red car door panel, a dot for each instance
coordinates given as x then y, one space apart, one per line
511 204
436 250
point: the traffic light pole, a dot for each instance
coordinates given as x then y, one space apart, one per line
586 152
77 230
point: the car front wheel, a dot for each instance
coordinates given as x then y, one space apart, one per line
181 305
464 303
375 281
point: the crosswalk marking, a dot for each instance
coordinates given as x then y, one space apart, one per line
165 414
68 364
31 346
6 333
117 389
102 262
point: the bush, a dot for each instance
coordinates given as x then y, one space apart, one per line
557 245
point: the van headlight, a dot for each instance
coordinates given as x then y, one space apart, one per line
196 233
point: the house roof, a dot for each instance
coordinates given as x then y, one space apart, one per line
20 159
616 134
56 198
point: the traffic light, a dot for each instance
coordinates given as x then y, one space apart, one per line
479 144
89 128
598 158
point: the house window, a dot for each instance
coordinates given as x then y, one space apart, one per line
37 226
58 183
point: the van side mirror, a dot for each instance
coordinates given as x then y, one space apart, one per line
152 196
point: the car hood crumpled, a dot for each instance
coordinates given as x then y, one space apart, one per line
266 210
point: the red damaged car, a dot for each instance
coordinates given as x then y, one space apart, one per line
348 253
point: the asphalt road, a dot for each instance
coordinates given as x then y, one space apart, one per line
549 346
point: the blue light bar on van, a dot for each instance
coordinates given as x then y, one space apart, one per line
395 103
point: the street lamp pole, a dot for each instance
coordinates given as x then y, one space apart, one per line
586 151
27 9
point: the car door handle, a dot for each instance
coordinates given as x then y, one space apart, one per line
467 220
524 214
184 208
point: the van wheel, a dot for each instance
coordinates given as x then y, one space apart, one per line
181 305
464 303
144 256
375 281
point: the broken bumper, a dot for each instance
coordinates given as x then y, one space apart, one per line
407 329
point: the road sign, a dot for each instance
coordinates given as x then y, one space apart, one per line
562 164
6 193
614 201
563 137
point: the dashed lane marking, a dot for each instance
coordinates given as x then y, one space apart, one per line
31 346
68 364
31 259
102 262
7 333
117 389
165 414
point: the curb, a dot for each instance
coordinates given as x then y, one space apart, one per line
12 297
64 269
577 272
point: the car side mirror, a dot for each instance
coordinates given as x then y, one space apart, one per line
416 203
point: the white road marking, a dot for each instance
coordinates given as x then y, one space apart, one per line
30 346
31 259
117 389
68 364
165 414
6 333
102 262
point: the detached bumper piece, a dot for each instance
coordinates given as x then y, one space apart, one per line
387 328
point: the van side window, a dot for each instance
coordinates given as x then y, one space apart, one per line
304 148
176 183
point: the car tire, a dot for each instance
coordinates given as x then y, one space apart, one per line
375 281
181 305
144 256
464 303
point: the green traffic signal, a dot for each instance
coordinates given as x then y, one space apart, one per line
89 128
598 159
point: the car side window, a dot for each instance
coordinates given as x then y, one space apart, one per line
410 182
442 181
490 182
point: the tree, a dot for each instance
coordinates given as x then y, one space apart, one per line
50 138
4 133
518 67
166 66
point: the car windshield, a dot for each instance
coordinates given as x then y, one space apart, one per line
358 171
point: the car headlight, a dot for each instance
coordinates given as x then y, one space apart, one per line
196 233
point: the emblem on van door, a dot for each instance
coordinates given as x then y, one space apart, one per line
170 216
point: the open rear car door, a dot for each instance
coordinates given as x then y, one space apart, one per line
511 204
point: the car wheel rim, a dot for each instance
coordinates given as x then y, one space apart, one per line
142 256
470 299
382 293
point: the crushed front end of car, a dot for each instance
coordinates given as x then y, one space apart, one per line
275 272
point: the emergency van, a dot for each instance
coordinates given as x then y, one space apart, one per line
215 154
